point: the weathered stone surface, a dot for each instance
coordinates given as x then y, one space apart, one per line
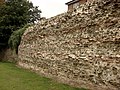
80 48
8 55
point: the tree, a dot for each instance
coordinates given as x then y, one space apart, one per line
14 14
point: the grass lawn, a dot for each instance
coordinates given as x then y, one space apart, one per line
14 78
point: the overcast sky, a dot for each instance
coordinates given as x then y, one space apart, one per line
51 8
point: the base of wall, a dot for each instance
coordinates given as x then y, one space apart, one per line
70 81
8 55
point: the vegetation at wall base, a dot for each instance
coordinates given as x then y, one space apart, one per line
15 38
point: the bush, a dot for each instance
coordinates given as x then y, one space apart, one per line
15 38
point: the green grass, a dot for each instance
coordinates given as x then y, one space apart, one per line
14 78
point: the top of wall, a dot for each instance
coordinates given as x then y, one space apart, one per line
72 2
85 15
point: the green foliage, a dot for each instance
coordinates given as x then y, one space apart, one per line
15 38
14 14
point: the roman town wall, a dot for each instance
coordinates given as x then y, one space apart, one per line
80 48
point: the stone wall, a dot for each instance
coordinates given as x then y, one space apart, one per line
8 55
80 48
